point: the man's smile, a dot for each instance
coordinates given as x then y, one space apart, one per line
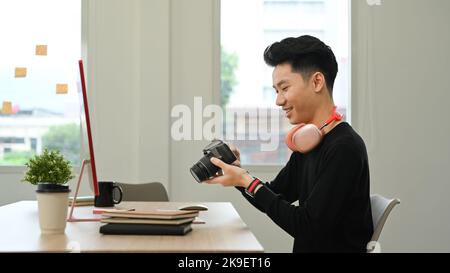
288 110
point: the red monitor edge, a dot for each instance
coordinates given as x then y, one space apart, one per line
88 126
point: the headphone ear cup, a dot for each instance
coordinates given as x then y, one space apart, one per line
306 138
290 137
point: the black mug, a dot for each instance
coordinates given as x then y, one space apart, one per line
106 194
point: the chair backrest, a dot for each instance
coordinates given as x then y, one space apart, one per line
154 191
381 207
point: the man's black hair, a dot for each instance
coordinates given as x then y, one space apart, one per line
307 55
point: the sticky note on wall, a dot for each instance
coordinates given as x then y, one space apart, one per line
41 50
21 72
7 108
62 88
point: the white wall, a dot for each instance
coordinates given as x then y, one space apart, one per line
128 68
146 56
401 62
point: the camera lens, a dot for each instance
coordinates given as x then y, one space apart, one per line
198 173
204 169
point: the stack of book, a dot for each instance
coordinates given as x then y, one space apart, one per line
82 201
149 222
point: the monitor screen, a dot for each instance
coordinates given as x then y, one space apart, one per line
86 130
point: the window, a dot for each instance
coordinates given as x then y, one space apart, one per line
39 53
247 28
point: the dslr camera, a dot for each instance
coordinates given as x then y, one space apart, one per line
204 169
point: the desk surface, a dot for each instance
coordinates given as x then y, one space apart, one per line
224 231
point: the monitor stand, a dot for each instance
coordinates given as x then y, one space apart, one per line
71 217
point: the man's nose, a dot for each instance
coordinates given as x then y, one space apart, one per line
280 100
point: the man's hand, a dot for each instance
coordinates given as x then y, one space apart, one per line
232 176
237 153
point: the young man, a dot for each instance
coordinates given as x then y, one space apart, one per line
331 182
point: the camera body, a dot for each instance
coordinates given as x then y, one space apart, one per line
204 169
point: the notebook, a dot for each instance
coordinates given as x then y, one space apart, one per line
151 214
139 229
120 220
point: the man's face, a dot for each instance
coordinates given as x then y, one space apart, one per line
294 94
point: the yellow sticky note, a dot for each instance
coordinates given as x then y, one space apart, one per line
7 108
62 88
21 72
41 50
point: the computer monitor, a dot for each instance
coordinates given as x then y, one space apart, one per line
88 153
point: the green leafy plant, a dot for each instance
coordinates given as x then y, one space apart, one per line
49 167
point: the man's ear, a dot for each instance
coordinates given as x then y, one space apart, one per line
318 81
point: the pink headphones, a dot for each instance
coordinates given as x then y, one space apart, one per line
305 137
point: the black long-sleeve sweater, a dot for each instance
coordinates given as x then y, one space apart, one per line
332 186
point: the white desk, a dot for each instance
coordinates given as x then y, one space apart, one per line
224 231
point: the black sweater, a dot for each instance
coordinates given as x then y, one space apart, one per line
331 184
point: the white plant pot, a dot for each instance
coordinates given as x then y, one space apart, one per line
52 207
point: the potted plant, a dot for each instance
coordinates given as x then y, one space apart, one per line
50 171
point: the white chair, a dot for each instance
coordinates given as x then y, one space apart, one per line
381 207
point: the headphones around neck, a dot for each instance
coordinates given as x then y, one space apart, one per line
305 137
